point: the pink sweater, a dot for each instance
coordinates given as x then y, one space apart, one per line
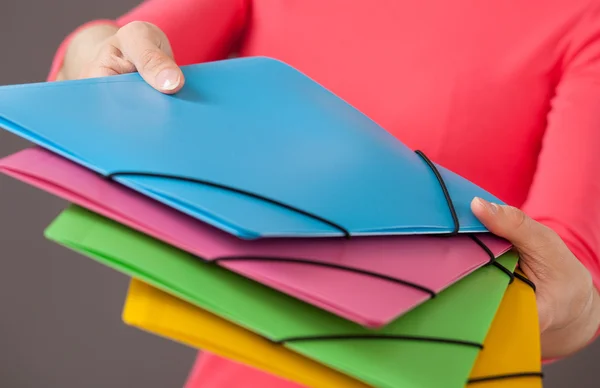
505 93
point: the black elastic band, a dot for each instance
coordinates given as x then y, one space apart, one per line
506 376
232 189
486 249
492 260
329 265
344 231
334 337
508 272
525 280
444 190
452 209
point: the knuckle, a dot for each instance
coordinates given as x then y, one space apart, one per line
108 51
137 28
155 32
106 61
517 219
96 69
141 29
547 240
151 60
543 273
105 65
550 235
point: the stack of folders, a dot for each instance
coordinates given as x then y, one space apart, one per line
265 220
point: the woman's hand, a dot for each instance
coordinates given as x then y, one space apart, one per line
568 303
104 50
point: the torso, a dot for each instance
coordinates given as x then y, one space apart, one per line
433 73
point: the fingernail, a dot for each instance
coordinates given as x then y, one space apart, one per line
168 79
489 206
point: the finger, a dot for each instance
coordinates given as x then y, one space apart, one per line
108 62
95 71
514 225
534 242
149 50
100 69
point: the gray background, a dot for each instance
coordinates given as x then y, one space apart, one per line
60 322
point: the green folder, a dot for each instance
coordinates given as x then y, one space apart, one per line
423 348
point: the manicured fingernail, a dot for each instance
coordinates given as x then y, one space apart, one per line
489 206
168 79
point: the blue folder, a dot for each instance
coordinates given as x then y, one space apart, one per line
251 146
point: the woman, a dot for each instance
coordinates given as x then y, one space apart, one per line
505 93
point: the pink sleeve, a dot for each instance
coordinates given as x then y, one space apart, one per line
198 30
565 193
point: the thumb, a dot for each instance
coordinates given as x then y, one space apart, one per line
528 236
149 50
563 283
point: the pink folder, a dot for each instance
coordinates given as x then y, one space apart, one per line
369 280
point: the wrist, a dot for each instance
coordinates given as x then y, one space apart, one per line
569 339
593 316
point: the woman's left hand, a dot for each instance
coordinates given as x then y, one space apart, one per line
568 302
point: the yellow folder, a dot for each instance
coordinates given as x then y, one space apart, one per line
155 311
511 348
511 355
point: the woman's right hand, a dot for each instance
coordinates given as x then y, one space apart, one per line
105 50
